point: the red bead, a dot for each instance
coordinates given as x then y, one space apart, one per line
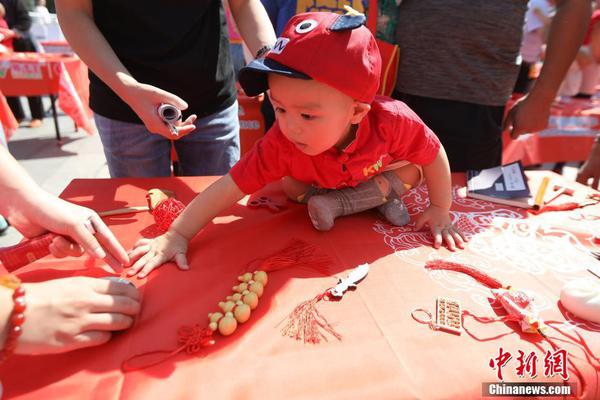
15 331
19 292
17 319
19 305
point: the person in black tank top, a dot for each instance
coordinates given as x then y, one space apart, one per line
142 53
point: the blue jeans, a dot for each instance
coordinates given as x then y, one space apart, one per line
132 151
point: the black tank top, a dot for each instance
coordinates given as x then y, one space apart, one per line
179 46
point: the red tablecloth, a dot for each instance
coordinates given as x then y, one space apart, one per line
383 354
569 137
33 74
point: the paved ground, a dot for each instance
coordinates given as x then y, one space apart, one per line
52 165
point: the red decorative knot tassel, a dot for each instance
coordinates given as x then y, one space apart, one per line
166 212
297 254
17 316
479 276
305 323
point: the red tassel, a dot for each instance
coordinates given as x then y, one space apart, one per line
190 338
166 212
297 254
479 276
556 207
305 323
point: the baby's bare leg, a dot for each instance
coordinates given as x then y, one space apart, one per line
394 210
298 191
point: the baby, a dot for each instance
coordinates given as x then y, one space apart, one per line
337 146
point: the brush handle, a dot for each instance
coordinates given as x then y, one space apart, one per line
26 252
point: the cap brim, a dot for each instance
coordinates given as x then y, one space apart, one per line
253 77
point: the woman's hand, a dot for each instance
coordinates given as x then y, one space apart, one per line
81 229
441 228
72 313
152 253
145 99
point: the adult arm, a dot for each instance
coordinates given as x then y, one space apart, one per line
567 30
253 23
77 22
33 211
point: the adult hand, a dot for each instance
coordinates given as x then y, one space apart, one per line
145 99
527 115
591 168
72 313
152 253
81 229
441 228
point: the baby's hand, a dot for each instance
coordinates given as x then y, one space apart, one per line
152 253
441 227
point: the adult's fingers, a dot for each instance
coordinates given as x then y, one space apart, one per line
583 177
107 322
90 339
115 288
108 240
83 234
458 239
62 247
170 98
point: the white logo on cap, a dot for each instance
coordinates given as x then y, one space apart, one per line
279 45
306 26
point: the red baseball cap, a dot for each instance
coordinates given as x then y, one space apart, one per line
337 50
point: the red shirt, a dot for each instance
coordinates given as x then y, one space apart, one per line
390 132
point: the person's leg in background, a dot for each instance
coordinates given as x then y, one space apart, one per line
132 151
214 147
37 111
470 133
35 102
16 107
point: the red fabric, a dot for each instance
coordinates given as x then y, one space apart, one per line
383 352
390 132
569 136
34 74
593 21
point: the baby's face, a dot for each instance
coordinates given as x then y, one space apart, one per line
312 115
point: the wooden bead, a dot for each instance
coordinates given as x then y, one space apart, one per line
239 303
245 277
242 313
226 306
245 292
213 326
229 298
227 325
251 299
236 297
257 288
241 287
215 317
229 314
262 277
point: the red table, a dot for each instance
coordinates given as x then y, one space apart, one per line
383 354
56 75
569 136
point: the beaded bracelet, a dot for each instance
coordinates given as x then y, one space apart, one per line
17 316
